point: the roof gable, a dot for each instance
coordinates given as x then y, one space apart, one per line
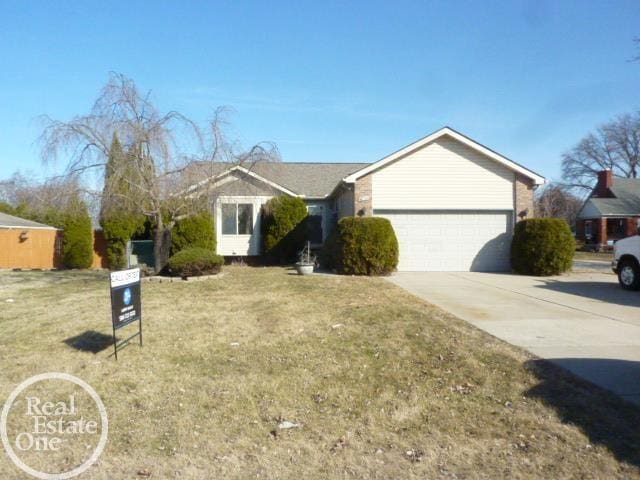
446 131
299 179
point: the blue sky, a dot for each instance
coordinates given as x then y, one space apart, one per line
330 81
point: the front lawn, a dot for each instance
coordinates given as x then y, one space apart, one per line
598 256
381 384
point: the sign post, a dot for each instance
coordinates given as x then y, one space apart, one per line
125 304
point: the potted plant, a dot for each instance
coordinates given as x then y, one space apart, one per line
306 261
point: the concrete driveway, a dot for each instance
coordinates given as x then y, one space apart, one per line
582 321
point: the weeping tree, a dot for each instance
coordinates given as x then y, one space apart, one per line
163 156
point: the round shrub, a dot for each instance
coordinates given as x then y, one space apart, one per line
77 241
362 246
194 231
284 228
193 262
542 246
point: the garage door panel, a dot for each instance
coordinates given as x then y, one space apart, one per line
452 241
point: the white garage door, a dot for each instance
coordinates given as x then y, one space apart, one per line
452 241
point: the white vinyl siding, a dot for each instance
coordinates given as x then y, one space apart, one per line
239 245
443 175
452 241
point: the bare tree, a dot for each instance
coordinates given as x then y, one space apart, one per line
45 201
166 153
557 202
613 146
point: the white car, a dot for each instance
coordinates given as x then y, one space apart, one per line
626 262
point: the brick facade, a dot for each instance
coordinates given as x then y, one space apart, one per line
601 226
580 233
599 236
523 197
362 198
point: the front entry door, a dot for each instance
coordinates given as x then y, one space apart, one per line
316 214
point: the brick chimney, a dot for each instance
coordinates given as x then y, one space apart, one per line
605 182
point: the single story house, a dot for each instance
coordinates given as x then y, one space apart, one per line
453 202
611 212
27 244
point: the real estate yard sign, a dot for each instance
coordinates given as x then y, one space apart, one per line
125 303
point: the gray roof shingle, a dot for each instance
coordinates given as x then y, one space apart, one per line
7 221
309 179
314 180
627 198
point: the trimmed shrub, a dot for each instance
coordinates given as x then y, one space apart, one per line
77 241
362 246
542 246
194 231
284 228
120 213
193 262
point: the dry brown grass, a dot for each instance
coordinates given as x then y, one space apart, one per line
400 390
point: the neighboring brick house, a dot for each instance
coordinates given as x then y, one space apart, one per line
453 202
611 212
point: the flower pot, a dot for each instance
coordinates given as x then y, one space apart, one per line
304 268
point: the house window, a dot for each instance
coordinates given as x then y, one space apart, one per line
616 228
237 219
245 219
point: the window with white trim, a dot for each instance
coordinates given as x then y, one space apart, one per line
237 219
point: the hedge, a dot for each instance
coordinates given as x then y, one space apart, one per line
542 246
118 229
77 241
193 262
194 231
284 228
362 246
7 208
